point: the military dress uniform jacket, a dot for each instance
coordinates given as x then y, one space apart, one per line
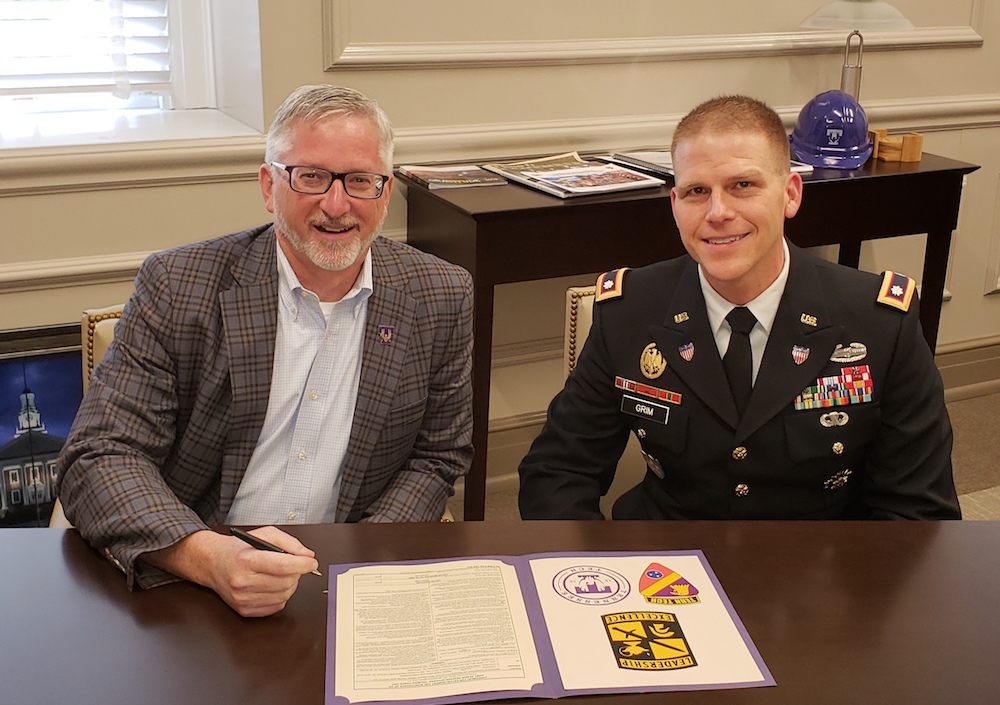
883 451
173 413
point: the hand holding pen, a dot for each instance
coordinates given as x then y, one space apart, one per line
259 543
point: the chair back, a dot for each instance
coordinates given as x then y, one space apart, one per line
579 317
97 330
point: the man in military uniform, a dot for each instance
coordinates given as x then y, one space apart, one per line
761 381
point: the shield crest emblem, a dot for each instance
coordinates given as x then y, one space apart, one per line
648 641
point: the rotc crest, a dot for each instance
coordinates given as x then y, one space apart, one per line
662 586
648 641
591 585
651 362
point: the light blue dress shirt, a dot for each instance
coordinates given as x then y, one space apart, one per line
294 473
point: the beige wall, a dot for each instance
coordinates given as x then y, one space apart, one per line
469 81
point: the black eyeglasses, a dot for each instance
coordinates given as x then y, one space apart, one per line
313 180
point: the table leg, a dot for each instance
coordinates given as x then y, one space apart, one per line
849 254
932 283
474 508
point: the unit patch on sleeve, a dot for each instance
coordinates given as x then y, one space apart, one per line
896 291
610 285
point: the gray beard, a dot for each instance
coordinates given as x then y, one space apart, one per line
331 256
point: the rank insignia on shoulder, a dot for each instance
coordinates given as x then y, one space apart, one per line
610 285
896 290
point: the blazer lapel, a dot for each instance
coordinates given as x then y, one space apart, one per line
388 331
798 347
687 330
250 322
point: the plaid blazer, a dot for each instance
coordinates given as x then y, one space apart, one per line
172 416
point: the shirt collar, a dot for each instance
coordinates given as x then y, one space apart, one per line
291 291
764 307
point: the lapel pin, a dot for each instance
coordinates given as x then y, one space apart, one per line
800 354
687 351
680 317
808 319
385 335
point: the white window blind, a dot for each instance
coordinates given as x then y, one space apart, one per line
59 55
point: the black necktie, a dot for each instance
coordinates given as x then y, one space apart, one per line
738 361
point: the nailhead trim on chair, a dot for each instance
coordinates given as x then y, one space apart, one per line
92 322
574 304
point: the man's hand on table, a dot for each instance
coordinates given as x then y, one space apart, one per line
254 583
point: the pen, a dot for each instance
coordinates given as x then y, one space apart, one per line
260 544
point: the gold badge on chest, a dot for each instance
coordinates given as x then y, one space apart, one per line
651 362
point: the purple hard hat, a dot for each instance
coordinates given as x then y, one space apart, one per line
832 132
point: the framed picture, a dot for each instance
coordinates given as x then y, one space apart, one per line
40 391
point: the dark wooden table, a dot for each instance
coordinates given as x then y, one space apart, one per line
513 233
888 613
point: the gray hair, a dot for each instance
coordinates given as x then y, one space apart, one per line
320 102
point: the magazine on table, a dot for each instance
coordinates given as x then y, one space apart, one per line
660 162
567 175
458 176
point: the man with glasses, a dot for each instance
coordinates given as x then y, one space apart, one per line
302 372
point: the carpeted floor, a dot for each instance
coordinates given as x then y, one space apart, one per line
975 458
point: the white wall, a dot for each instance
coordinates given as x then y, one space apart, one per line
470 81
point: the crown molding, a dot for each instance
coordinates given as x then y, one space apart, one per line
569 52
54 170
75 271
88 271
340 52
129 165
488 141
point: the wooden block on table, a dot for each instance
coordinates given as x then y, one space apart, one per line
913 147
876 137
907 148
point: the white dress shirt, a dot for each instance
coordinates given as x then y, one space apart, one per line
764 308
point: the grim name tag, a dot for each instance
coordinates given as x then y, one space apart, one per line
645 409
